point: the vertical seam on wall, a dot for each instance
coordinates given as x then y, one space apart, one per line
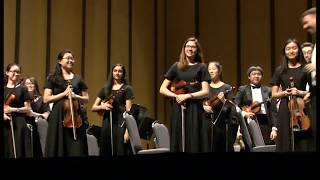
130 41
238 34
48 37
156 57
196 18
109 35
17 32
165 51
272 36
83 44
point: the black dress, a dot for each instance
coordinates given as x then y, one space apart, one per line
221 125
21 132
194 112
118 125
38 106
301 139
60 141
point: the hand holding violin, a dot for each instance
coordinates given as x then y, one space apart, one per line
6 117
106 105
180 98
207 108
68 90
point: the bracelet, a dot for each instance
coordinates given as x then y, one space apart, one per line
274 129
191 95
18 109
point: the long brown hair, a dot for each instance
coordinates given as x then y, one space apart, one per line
183 63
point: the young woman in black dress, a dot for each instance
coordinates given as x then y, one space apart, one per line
37 116
290 139
221 125
115 97
62 140
17 104
186 82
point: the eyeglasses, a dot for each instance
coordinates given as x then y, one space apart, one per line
189 46
69 58
28 83
15 71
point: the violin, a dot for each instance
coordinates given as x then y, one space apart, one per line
254 107
109 100
179 87
299 120
9 100
72 118
215 101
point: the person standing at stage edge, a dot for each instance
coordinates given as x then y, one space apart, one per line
187 84
309 23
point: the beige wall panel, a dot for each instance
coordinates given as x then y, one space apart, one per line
95 52
33 27
161 114
66 30
255 38
120 33
143 75
217 21
288 24
9 28
180 26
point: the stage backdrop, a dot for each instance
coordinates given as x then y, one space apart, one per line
146 36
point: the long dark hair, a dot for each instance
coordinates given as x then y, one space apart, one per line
110 82
56 76
183 63
284 64
34 81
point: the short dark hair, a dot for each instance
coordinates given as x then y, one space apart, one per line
254 68
306 44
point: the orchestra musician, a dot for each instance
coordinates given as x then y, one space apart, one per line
258 96
292 66
222 127
115 97
16 134
186 82
37 116
66 136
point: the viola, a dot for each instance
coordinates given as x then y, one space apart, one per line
299 120
72 118
215 101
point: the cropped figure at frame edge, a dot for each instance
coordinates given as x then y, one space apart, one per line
16 135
